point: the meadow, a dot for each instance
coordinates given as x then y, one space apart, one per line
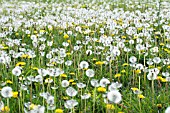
92 56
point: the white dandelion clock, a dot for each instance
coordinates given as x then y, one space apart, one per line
39 79
50 100
6 92
85 96
133 59
168 79
165 74
84 64
16 71
69 104
114 86
104 82
68 63
94 83
167 110
151 76
51 107
41 109
42 72
114 96
81 85
71 92
90 73
65 83
156 60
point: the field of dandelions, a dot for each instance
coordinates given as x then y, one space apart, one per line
85 56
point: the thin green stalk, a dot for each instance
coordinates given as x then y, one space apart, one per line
94 99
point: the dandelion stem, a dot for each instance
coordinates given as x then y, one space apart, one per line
153 93
139 82
110 68
94 99
140 110
8 103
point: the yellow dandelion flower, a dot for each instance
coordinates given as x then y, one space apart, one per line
141 96
42 31
68 41
29 56
5 109
161 44
35 32
163 80
99 63
135 37
151 66
71 80
68 53
16 34
72 73
20 64
124 37
140 28
159 68
157 37
94 59
35 68
112 34
65 98
125 64
9 82
65 36
168 67
159 77
120 112
137 71
123 71
134 89
63 75
97 40
110 106
24 56
166 49
126 40
32 106
101 89
117 75
85 69
58 111
74 83
159 105
4 48
15 94
60 32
